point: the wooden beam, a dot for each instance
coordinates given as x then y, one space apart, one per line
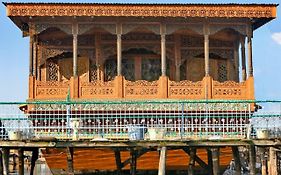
191 161
252 159
127 161
197 159
21 161
216 161
69 154
162 161
6 154
118 161
33 160
133 162
235 153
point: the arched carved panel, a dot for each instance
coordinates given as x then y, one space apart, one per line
242 29
198 28
126 28
67 28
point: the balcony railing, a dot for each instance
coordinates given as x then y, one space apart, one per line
167 120
119 88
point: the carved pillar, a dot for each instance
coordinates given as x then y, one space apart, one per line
31 40
243 60
98 56
236 62
177 57
163 49
75 49
250 59
119 49
206 49
35 60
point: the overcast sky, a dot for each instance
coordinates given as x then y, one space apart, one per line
14 54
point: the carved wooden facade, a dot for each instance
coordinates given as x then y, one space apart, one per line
188 51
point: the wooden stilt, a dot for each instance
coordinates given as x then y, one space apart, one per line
272 161
6 154
210 162
33 160
118 162
215 160
236 156
1 163
263 161
21 161
191 161
133 163
69 153
252 159
197 159
14 162
162 161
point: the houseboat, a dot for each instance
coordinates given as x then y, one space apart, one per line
107 71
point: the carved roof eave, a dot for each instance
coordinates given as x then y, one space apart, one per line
258 13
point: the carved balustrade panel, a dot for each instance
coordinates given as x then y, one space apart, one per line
229 90
97 89
51 90
141 89
185 89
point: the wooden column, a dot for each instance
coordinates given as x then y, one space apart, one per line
263 161
191 161
133 162
75 48
272 167
6 154
177 56
33 160
21 161
119 48
118 161
215 161
31 40
163 49
210 162
243 60
250 59
98 56
206 49
236 62
35 62
162 161
236 156
252 159
69 154
1 163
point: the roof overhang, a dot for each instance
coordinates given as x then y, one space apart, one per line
258 13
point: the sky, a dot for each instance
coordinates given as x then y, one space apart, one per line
266 53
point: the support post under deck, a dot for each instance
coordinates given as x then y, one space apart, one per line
215 160
133 163
33 159
118 161
235 153
21 161
69 153
252 159
162 161
6 154
191 161
1 163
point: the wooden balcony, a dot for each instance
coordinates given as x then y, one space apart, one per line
120 88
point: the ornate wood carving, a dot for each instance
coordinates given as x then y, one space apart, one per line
239 28
51 89
40 27
229 89
185 89
96 89
141 88
159 10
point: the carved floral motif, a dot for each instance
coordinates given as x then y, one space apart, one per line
189 10
141 87
185 88
229 88
51 89
97 88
